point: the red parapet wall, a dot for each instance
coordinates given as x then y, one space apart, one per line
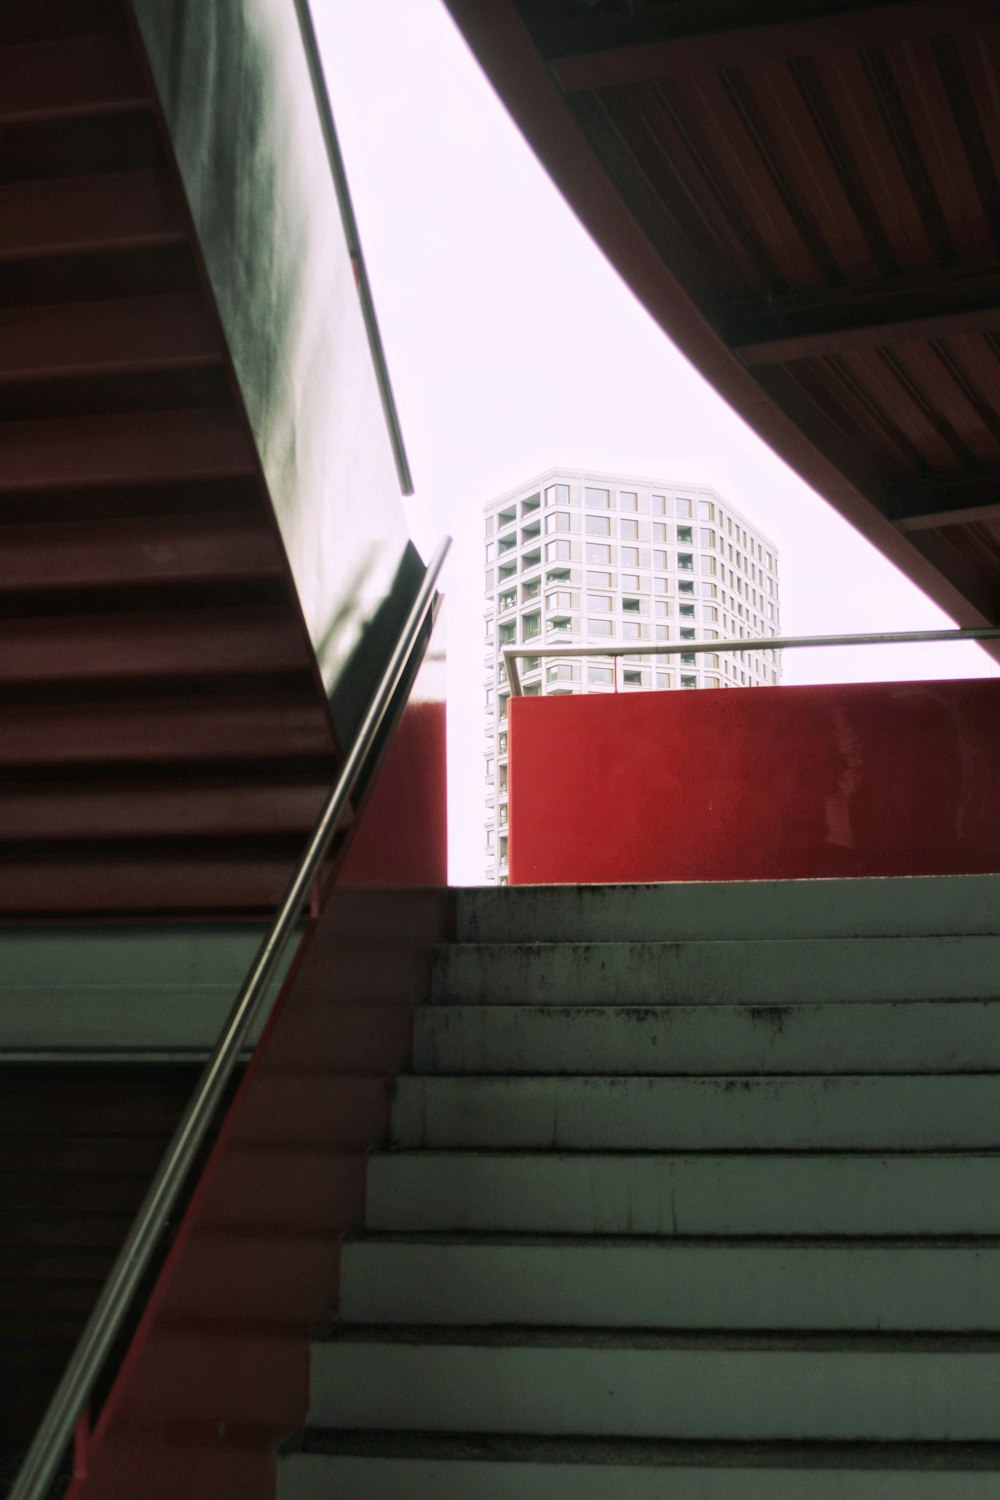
895 778
218 1371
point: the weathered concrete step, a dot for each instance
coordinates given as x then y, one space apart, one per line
906 906
701 1193
774 971
633 1283
882 1037
909 1113
420 1466
835 1388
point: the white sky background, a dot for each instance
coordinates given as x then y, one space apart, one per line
513 346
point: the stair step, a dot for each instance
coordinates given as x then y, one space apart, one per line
671 1283
108 211
67 76
420 1466
888 1389
702 1193
129 448
924 1112
175 643
121 336
881 1037
183 728
686 911
773 971
131 550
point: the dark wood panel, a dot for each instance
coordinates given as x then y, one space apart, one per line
110 212
68 75
126 334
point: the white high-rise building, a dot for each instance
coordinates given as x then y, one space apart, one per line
581 558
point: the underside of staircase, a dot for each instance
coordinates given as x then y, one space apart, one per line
693 1193
166 741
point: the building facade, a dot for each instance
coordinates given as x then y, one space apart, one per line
579 558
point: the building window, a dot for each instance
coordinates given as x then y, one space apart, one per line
532 559
687 633
685 535
660 507
600 627
683 508
628 530
530 503
531 627
601 676
562 671
508 633
685 562
632 630
531 590
660 559
706 536
688 659
635 606
630 557
599 499
599 601
659 531
598 580
628 500
563 624
507 600
598 525
706 510
562 599
557 494
555 552
688 682
598 554
632 677
685 586
686 611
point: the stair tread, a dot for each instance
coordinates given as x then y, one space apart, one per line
597 1338
585 1448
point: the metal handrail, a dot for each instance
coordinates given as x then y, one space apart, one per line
338 171
510 654
105 1321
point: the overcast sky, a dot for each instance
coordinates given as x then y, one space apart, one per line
514 346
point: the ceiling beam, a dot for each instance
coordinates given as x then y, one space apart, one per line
948 500
749 46
873 315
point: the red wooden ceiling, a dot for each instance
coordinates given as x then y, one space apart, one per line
807 196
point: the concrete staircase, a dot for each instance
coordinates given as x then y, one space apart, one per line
698 1198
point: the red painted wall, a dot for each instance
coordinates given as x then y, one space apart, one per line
217 1373
893 778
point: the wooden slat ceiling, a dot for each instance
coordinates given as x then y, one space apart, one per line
807 197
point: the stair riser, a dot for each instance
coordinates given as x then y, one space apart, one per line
690 1114
745 909
707 1195
729 973
303 1476
892 1037
672 1286
667 1392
